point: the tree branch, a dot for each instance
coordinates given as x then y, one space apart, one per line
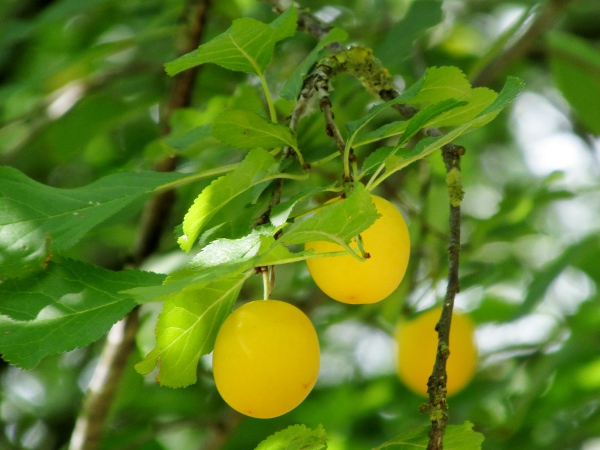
121 339
548 15
437 408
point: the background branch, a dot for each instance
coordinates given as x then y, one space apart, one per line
546 17
121 339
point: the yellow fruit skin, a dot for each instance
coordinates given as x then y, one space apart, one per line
417 343
348 280
266 358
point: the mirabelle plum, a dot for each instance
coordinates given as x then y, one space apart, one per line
348 280
417 343
266 358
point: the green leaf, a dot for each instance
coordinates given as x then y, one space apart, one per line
183 141
474 103
462 437
187 328
337 222
247 46
428 145
296 437
479 99
281 212
575 66
456 437
420 120
37 220
224 251
220 259
383 132
69 305
376 158
407 96
411 439
293 85
399 41
258 166
247 129
442 83
425 116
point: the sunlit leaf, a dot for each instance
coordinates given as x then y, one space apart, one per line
296 437
337 222
187 328
281 212
420 120
442 83
456 437
257 167
425 116
222 258
428 145
479 99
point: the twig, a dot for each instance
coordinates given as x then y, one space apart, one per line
121 339
317 83
437 408
107 376
223 429
549 14
307 23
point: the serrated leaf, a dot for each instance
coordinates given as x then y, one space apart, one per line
293 85
247 46
407 96
420 120
37 220
187 328
376 158
573 58
428 145
462 437
475 102
69 305
224 251
220 259
247 129
258 166
425 116
337 222
479 99
442 83
456 437
281 212
296 437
